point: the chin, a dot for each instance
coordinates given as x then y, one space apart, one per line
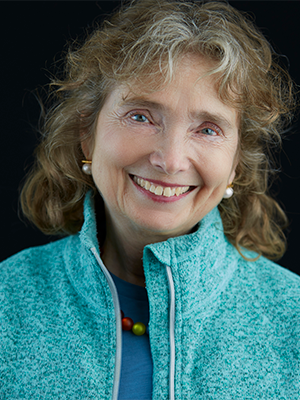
165 225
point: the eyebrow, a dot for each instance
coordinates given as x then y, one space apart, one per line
140 102
216 118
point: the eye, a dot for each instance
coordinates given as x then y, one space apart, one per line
209 131
139 118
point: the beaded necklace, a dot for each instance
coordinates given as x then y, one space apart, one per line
137 328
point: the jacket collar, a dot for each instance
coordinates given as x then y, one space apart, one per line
88 233
208 236
209 230
201 262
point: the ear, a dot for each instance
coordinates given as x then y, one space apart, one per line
232 175
231 178
86 148
86 141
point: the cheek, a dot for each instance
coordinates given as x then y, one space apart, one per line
109 149
115 150
215 166
215 163
123 147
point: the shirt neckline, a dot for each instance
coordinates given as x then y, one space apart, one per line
129 290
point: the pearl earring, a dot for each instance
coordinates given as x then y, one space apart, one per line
228 192
87 167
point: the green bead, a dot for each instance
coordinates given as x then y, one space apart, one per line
139 328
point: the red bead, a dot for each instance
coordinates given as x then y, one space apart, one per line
127 324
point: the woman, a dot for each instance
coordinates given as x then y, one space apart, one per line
155 163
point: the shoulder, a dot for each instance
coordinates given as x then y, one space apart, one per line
267 276
269 290
35 255
33 266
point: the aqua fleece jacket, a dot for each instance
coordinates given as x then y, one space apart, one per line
235 326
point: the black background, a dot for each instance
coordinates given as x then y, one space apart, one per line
33 34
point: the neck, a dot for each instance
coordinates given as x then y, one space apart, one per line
122 250
123 246
123 258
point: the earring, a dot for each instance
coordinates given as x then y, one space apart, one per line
228 192
86 168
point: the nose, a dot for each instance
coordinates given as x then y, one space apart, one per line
170 155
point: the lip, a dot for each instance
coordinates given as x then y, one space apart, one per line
160 199
160 183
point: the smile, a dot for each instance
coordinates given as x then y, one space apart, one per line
160 190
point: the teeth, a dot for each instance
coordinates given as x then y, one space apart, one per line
147 185
167 192
152 189
177 191
159 190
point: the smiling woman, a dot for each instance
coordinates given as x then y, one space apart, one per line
155 164
171 140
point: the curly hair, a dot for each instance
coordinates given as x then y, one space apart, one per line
148 38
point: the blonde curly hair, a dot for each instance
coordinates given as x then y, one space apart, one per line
148 38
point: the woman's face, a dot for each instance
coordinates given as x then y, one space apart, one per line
162 161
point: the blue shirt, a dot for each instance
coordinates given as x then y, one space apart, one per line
136 370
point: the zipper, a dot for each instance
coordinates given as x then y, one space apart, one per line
116 303
171 332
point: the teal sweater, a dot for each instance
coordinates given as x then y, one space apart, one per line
236 323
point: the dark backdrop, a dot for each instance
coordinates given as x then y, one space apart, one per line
33 33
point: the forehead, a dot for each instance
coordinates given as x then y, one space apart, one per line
171 73
192 88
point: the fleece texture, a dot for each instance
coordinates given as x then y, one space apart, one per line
237 323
